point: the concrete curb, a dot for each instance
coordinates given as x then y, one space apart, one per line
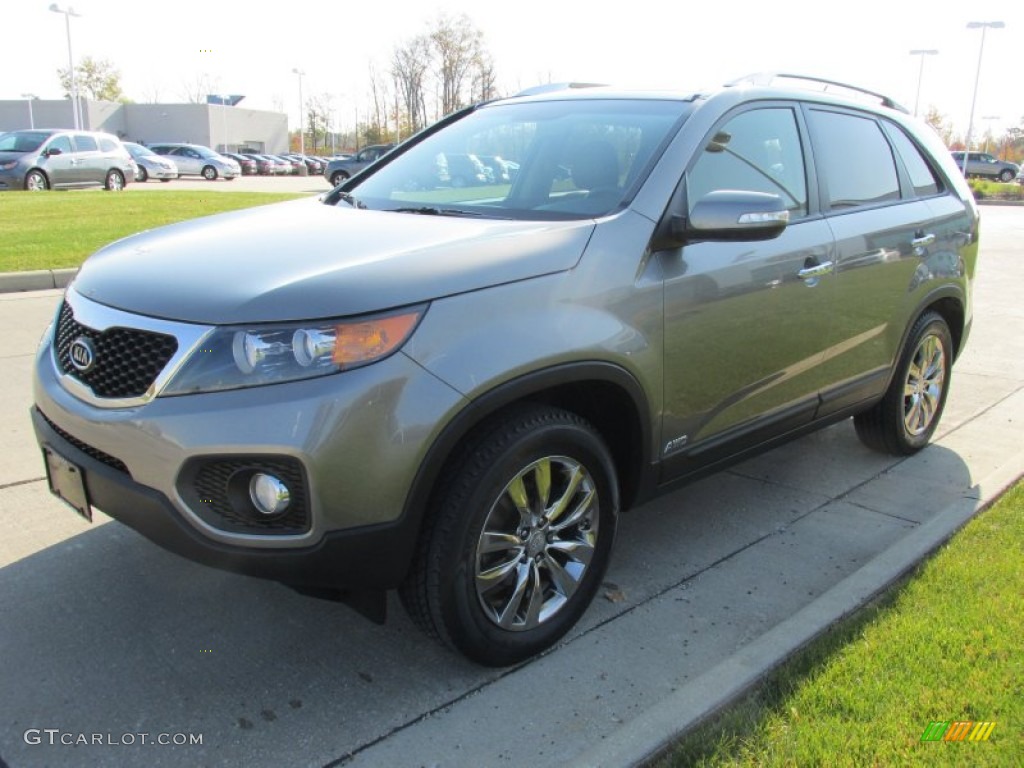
655 730
38 280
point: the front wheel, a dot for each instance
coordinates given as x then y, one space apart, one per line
142 175
905 419
209 173
36 181
519 536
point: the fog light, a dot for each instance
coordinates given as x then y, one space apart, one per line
269 495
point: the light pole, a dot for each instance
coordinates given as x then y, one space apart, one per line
31 117
984 26
76 108
922 52
302 127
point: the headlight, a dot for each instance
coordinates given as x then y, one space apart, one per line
8 165
250 356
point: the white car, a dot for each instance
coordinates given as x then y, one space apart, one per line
149 164
196 160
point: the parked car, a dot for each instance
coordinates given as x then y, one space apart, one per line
40 159
499 171
458 399
338 170
984 164
245 162
149 165
465 170
196 160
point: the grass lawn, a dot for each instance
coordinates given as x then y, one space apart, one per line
946 645
51 230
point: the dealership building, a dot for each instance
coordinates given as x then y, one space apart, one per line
223 127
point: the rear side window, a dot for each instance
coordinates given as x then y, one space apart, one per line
108 145
922 177
854 160
85 143
757 151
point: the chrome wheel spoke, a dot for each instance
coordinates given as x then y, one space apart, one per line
506 618
517 492
582 551
491 541
495 575
563 581
579 512
558 508
542 478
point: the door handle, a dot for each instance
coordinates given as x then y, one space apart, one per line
817 270
923 240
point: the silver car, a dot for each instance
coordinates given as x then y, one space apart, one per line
53 159
150 165
196 160
455 392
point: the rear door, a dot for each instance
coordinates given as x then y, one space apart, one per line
883 231
89 165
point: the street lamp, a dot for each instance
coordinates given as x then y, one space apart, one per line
984 26
76 108
31 118
922 52
302 128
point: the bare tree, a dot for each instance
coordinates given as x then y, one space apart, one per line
457 44
409 65
484 85
377 130
318 118
941 124
196 89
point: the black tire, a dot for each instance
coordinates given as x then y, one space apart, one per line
1006 176
114 181
340 177
36 181
209 173
478 550
165 180
142 176
903 422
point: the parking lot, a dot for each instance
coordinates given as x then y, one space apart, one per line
104 633
314 185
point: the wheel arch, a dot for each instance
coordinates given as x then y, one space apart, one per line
606 395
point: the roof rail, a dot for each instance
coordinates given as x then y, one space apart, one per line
551 87
767 78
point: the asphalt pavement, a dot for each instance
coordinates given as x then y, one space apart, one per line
105 637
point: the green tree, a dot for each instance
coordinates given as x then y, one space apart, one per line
97 79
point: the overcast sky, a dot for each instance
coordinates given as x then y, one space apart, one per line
251 48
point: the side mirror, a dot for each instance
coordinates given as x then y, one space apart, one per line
52 151
737 215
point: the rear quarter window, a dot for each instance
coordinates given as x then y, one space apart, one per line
923 178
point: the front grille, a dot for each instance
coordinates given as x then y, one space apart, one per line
217 490
96 453
127 361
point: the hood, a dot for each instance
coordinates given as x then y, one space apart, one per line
303 260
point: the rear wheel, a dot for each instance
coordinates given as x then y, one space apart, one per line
114 181
36 181
518 539
1006 175
338 178
905 419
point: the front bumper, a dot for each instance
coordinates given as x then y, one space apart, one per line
358 436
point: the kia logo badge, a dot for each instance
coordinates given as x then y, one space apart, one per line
82 354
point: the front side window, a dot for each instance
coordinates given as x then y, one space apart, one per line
854 160
63 143
757 151
562 160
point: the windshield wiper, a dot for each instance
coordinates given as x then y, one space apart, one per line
427 210
351 200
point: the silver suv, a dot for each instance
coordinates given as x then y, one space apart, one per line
197 160
41 159
454 392
985 165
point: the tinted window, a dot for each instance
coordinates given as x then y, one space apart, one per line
107 145
854 160
922 176
85 143
758 151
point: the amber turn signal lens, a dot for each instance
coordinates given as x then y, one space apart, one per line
370 340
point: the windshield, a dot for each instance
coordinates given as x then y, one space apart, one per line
23 141
137 150
544 160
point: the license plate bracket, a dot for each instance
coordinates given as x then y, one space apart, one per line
67 482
